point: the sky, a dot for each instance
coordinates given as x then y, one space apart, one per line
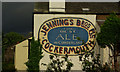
17 16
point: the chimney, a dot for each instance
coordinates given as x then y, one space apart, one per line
56 6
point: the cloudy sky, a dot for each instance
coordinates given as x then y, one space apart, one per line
17 16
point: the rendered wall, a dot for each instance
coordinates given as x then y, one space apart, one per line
21 55
21 51
39 19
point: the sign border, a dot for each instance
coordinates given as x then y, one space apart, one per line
66 17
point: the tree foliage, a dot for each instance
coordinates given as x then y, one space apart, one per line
11 38
110 31
8 40
92 63
110 35
57 65
35 56
8 67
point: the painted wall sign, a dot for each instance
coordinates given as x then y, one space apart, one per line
59 35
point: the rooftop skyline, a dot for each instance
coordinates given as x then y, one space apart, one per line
61 0
17 16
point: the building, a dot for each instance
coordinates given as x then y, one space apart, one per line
93 13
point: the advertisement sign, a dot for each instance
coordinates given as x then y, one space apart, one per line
67 35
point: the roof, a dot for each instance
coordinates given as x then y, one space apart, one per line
78 7
95 7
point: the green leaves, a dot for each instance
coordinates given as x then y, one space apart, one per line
51 56
35 56
78 38
92 64
80 58
57 63
110 33
11 38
